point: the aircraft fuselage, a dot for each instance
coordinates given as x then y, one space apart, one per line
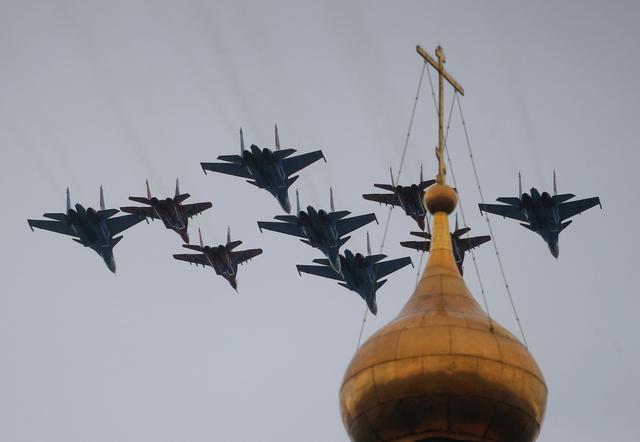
541 212
93 232
322 233
359 277
267 170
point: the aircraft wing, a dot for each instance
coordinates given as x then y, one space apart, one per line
142 212
294 164
242 256
424 184
504 211
347 225
324 271
422 246
122 223
193 258
228 168
382 198
385 268
190 210
567 210
286 228
53 226
470 243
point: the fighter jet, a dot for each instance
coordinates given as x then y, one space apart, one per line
410 198
222 258
91 228
171 211
266 169
542 213
320 229
360 274
459 244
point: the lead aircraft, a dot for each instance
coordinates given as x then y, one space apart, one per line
266 169
320 229
222 258
360 274
92 228
173 214
410 198
542 213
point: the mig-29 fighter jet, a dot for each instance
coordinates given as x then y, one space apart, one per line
222 258
319 229
409 198
360 274
171 211
459 244
266 169
542 213
92 228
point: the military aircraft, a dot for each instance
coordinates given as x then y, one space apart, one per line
459 244
360 274
266 169
410 198
319 229
542 213
222 258
91 228
171 211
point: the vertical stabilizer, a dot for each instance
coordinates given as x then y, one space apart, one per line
102 207
555 185
333 208
391 173
241 142
519 185
421 175
297 202
456 221
228 234
177 187
277 138
200 236
148 190
368 245
68 200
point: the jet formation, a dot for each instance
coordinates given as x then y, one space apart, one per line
266 169
409 198
320 229
173 214
359 273
459 244
542 213
223 259
96 229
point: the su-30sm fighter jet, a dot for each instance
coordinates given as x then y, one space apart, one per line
222 258
319 229
459 244
173 214
92 228
266 169
360 274
542 213
409 198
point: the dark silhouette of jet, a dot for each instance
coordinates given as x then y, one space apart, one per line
171 211
410 198
542 213
319 229
360 274
266 169
222 258
91 228
459 244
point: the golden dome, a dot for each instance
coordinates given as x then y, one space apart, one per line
438 371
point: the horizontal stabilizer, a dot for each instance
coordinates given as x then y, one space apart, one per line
559 199
292 219
424 184
107 213
233 244
322 261
294 164
237 159
56 216
227 168
283 153
193 247
139 199
180 198
388 187
423 246
458 233
372 259
424 235
335 216
512 201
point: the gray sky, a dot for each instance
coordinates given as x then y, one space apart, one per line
111 93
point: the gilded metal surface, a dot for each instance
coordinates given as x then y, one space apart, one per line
438 371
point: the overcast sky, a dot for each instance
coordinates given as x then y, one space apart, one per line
115 92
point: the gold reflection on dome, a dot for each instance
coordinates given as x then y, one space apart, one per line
438 371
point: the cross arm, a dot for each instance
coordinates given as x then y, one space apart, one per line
436 66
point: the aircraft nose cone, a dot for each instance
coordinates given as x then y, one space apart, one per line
420 221
373 307
233 283
111 264
184 235
555 251
283 199
335 264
